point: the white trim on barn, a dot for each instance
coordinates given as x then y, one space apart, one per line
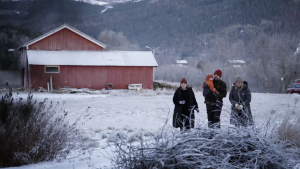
92 58
58 29
51 69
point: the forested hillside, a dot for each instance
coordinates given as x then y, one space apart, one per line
175 22
205 32
10 38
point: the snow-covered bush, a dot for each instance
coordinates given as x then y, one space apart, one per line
289 127
164 92
289 130
242 147
31 132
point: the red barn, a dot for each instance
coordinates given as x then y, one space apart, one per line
77 60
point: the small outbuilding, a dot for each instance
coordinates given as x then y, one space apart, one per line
235 63
182 63
72 58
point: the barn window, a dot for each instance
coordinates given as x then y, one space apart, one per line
51 69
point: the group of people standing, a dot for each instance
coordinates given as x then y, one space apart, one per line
214 90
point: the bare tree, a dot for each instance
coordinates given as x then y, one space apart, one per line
282 49
116 41
295 64
262 45
237 52
220 47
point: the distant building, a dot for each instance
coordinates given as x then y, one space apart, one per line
297 50
72 58
235 63
182 63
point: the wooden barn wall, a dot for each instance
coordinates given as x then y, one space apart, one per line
93 77
64 40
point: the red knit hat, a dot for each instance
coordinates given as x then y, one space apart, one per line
209 77
183 80
218 72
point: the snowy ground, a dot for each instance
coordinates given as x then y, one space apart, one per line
144 112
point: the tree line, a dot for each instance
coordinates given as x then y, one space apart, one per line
11 37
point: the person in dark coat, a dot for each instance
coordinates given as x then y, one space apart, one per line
240 98
185 104
214 104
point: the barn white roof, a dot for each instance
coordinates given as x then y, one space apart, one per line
92 58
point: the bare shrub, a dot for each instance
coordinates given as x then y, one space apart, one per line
289 130
201 148
31 132
164 92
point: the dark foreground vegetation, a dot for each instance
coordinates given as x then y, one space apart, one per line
32 131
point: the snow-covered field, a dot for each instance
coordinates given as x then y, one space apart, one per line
144 112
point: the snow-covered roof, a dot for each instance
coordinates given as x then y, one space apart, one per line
93 2
297 50
92 58
60 28
181 61
236 61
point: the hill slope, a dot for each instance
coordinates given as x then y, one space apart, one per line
155 22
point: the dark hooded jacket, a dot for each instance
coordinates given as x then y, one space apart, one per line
220 85
243 97
179 110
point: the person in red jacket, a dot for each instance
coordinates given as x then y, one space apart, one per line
209 89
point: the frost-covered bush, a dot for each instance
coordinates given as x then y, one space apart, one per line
289 130
31 132
202 148
164 92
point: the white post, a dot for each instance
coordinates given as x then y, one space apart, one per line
51 87
48 86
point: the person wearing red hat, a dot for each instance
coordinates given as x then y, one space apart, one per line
214 107
185 104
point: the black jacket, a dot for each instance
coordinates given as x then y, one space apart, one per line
242 97
178 107
221 87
